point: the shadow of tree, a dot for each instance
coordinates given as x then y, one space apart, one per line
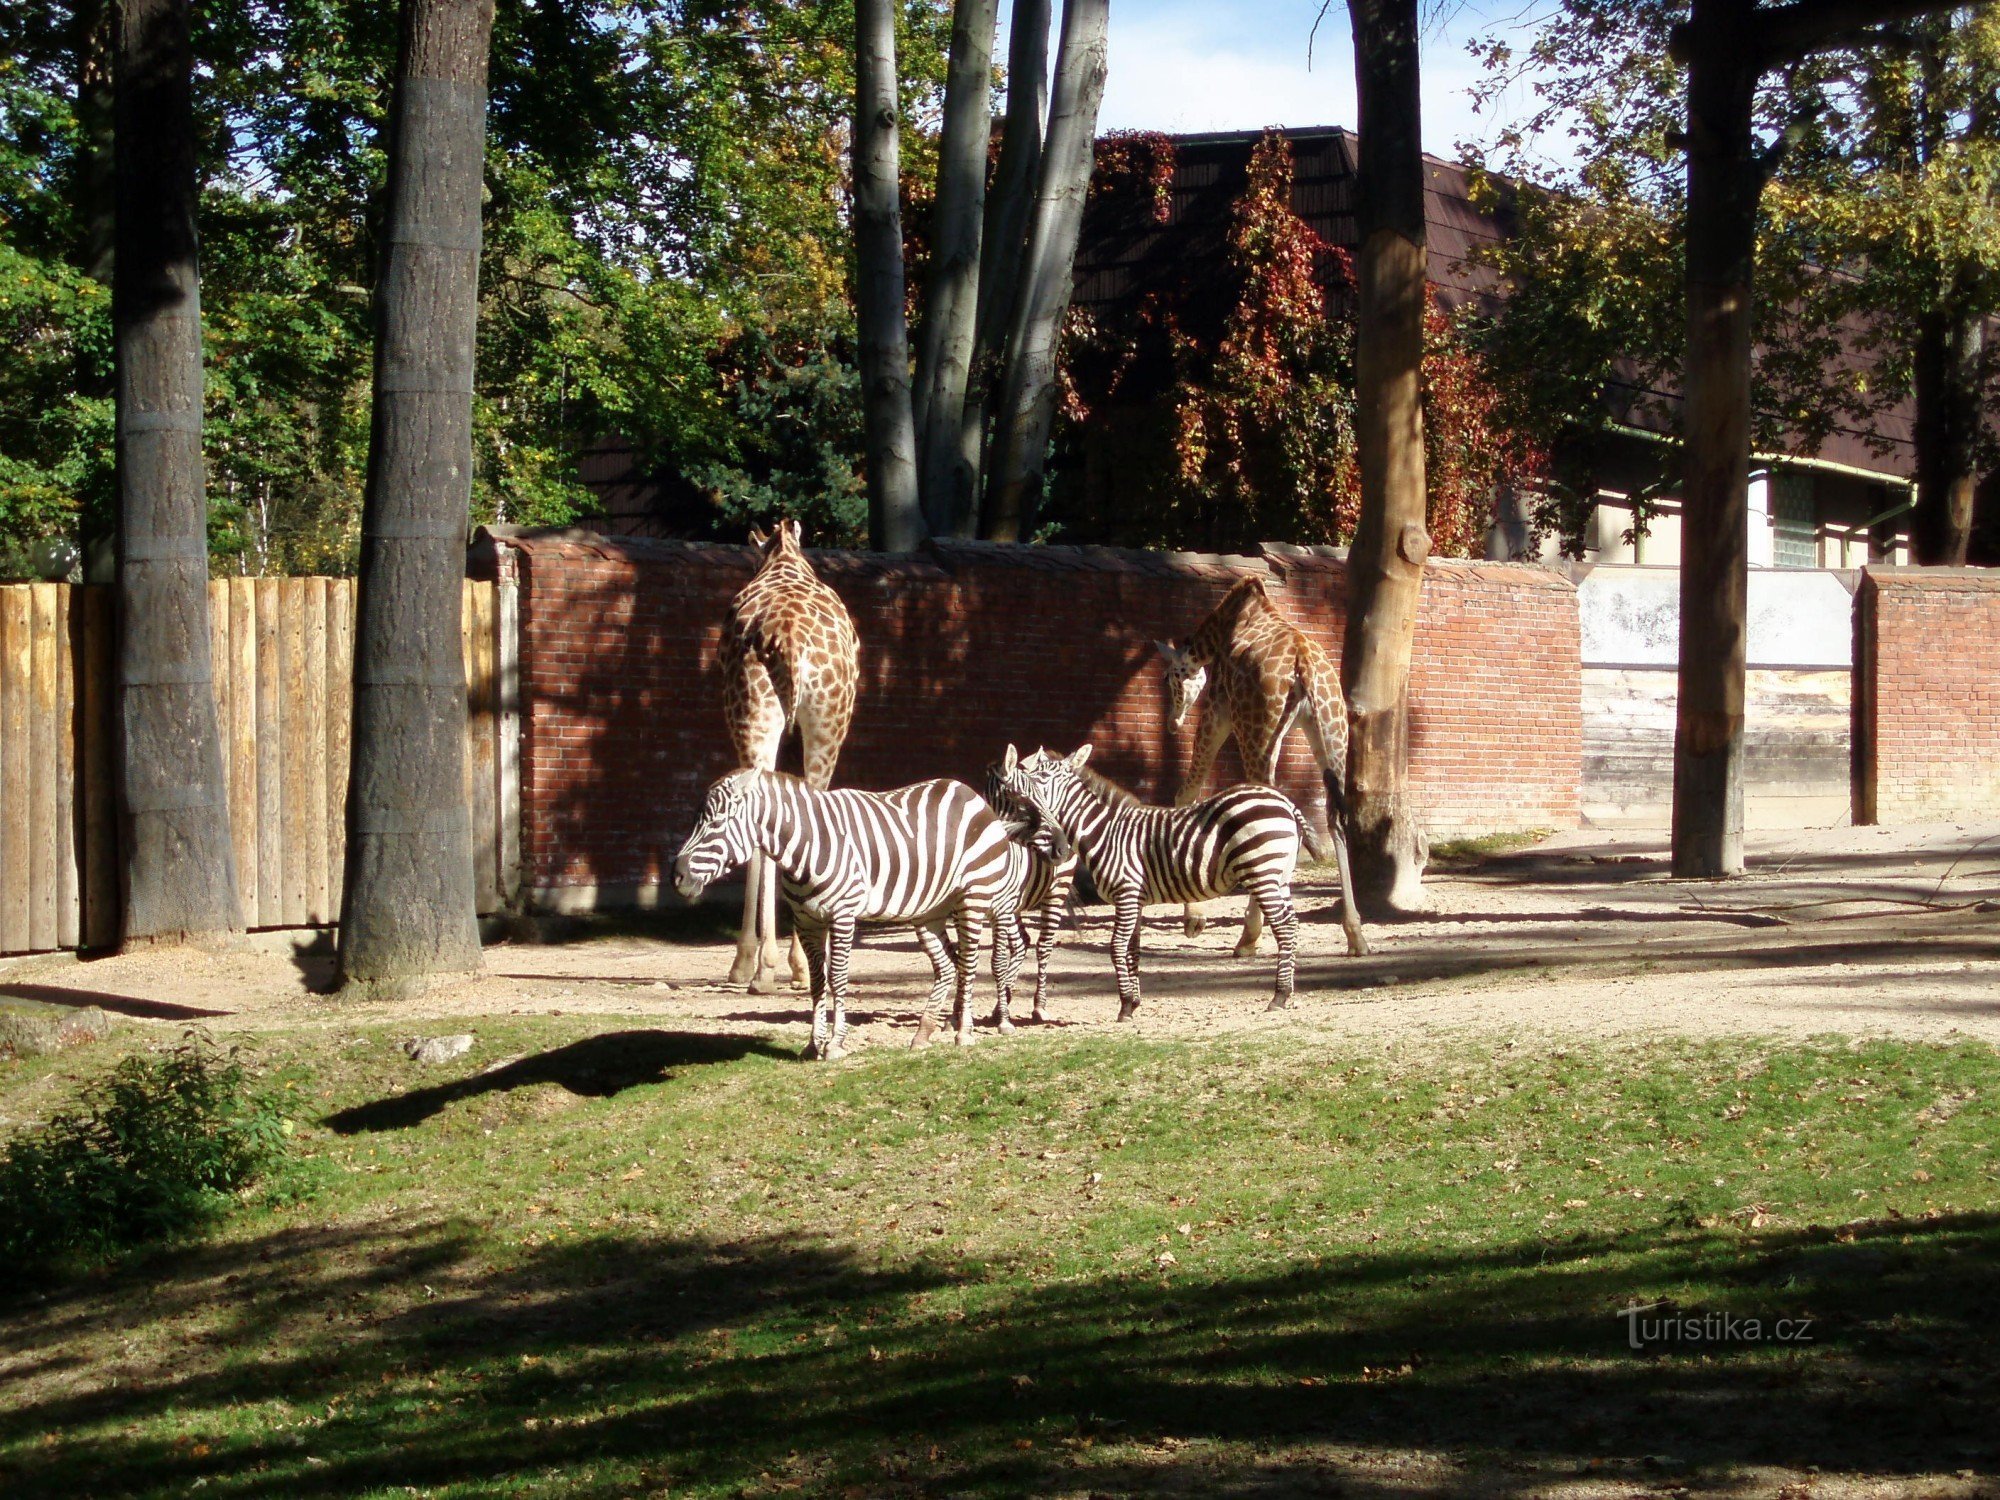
784 1362
597 1067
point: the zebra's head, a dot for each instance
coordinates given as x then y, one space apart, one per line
1042 779
725 837
1000 795
1186 677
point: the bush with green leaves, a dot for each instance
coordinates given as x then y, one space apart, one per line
156 1150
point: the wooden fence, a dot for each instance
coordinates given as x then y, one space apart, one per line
283 653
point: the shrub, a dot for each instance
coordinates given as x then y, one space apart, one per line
157 1150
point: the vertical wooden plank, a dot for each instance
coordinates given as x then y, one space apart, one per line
218 670
69 809
480 749
240 730
16 669
44 810
291 627
97 717
507 717
270 758
312 748
339 715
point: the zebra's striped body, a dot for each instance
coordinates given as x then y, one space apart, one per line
1046 874
1246 838
924 856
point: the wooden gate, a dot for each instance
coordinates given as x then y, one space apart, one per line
283 652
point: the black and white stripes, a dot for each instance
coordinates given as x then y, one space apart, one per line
925 856
1246 838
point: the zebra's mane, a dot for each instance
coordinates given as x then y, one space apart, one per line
1106 788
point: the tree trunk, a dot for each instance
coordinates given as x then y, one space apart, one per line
1028 377
1949 368
1724 181
1005 240
408 905
179 867
951 301
1385 566
895 514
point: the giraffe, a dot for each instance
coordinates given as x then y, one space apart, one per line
1258 675
789 660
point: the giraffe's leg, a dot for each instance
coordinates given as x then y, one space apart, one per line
757 740
971 932
1276 902
944 981
1329 747
839 945
748 948
822 712
1215 726
766 982
1125 952
815 940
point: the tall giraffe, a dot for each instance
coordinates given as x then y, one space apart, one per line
1257 675
790 658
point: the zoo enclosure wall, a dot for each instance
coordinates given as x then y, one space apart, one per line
967 646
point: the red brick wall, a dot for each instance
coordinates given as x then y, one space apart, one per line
966 647
1927 695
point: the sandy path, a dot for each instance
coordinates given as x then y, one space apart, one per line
1838 930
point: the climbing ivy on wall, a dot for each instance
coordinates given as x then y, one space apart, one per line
1185 430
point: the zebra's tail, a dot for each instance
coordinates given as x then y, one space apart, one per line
1316 846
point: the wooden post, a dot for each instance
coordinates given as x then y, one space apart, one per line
270 756
244 804
339 719
45 808
507 690
17 664
69 806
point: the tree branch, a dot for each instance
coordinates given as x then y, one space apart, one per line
1788 32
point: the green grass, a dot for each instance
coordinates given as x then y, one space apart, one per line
1466 854
645 1262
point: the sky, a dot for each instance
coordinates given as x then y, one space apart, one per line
1189 65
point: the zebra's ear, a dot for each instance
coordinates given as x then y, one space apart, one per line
1081 755
1008 761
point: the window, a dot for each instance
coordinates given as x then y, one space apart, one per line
1794 521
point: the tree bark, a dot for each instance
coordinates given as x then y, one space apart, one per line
1027 400
895 513
1004 243
1725 178
951 301
408 905
179 867
1949 369
1385 565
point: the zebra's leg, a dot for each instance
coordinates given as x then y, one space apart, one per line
1262 761
1214 733
1010 944
815 943
1045 942
1276 903
971 932
1125 952
944 980
839 947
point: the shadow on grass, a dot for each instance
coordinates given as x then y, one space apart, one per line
624 1361
597 1067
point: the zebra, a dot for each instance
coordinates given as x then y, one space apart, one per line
1245 838
1043 878
923 856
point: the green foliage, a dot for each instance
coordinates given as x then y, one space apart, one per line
665 207
158 1150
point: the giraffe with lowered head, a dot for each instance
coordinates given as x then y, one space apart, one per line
790 659
1256 676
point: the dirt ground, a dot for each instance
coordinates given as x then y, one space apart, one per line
1851 930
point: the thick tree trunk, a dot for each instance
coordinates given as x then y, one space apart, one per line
408 905
1004 243
1385 566
1724 181
1949 366
951 301
1027 399
895 515
179 868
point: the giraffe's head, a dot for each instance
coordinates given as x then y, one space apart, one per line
725 837
1186 677
787 537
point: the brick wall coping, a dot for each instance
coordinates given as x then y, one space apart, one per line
1986 580
937 559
